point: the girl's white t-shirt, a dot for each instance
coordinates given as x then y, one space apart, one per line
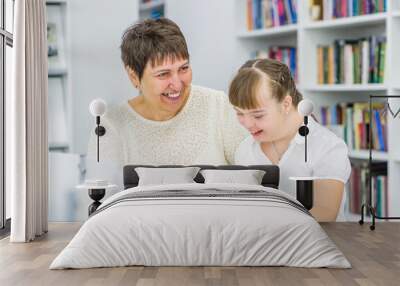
327 157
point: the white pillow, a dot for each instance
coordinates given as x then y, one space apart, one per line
248 177
163 176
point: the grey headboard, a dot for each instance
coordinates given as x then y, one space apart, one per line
270 179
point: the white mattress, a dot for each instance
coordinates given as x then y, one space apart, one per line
200 231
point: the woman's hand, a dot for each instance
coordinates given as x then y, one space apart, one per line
327 199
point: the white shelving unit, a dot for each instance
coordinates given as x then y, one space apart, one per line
350 22
364 155
56 2
306 35
147 8
373 87
276 31
55 72
60 101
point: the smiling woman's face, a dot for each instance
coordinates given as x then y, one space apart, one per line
166 86
266 122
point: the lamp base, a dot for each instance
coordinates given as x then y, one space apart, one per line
304 193
96 195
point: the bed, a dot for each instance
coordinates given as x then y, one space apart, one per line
201 224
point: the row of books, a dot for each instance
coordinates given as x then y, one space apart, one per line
359 188
156 13
351 121
263 14
358 61
332 9
287 55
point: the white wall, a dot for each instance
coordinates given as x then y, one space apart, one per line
95 28
210 30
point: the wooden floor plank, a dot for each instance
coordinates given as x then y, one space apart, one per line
374 255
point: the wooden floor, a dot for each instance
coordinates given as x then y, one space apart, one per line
374 255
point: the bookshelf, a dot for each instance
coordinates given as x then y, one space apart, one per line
59 102
307 35
151 9
58 146
364 155
56 2
276 31
349 22
57 72
345 87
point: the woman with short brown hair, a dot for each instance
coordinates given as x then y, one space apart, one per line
171 121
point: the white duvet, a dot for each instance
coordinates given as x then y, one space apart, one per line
200 231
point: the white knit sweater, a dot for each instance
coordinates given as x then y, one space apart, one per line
205 131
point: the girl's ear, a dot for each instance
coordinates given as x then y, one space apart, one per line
133 77
287 104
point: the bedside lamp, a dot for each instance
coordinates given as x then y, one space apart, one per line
304 185
97 108
305 108
97 187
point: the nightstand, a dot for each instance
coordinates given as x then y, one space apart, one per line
304 190
96 190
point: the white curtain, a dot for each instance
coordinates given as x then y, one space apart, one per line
27 123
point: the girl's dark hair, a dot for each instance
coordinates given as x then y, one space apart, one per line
244 87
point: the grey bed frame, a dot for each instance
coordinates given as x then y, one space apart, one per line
270 179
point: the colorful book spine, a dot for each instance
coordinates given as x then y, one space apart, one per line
332 9
355 61
249 6
262 14
379 129
355 122
358 188
286 55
